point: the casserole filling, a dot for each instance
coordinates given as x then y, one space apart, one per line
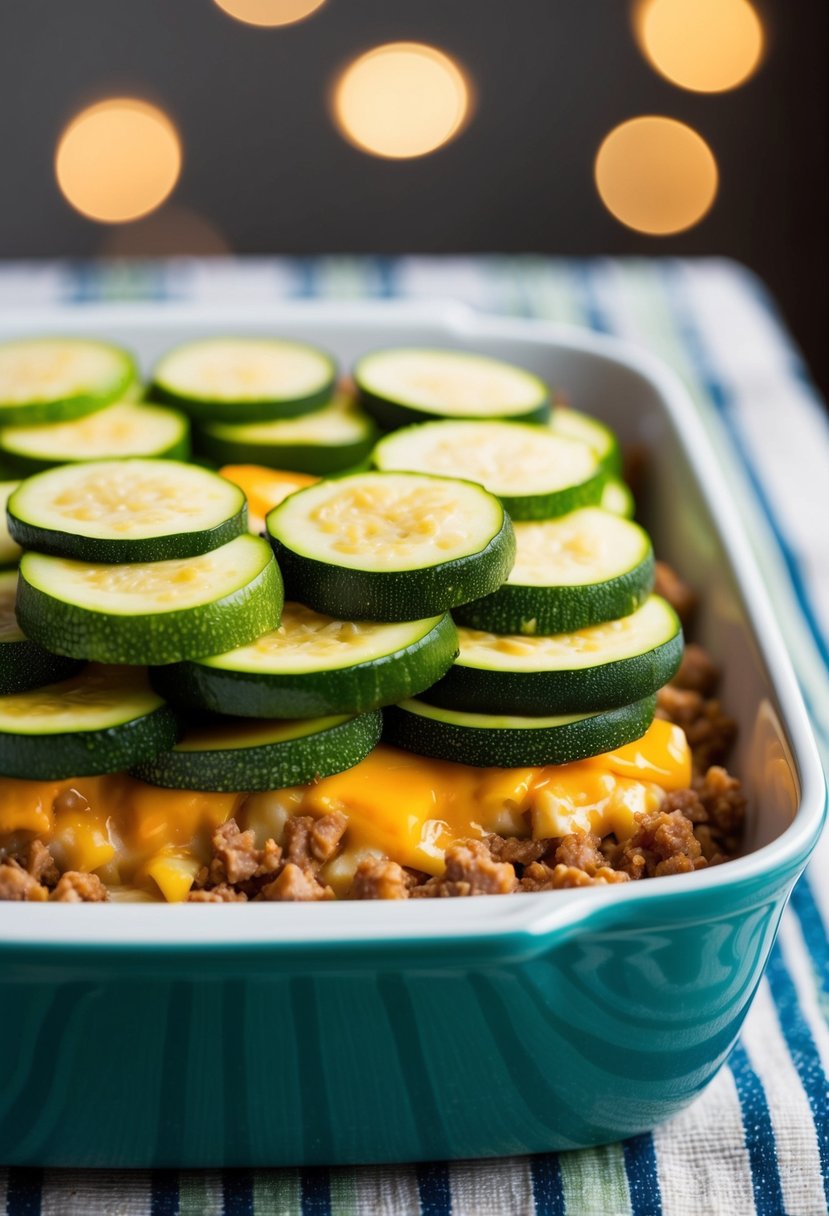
396 825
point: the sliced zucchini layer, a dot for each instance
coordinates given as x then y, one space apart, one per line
24 664
391 546
126 511
329 440
232 755
100 721
407 385
617 498
593 668
55 379
314 665
244 379
9 549
536 473
502 741
151 612
580 569
128 428
573 424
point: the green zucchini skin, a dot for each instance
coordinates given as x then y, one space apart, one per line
88 753
343 690
59 543
391 415
316 458
150 549
25 466
161 637
25 665
575 424
498 746
533 610
268 766
64 409
241 411
580 691
401 595
559 502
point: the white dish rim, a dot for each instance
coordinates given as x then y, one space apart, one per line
131 925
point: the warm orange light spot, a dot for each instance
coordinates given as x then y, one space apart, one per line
656 175
269 12
118 160
171 232
400 100
704 45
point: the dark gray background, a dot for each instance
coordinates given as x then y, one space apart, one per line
263 161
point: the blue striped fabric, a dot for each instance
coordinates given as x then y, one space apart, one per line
757 1141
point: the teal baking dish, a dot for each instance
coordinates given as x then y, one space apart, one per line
232 1035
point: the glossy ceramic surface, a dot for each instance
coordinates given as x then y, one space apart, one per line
266 1035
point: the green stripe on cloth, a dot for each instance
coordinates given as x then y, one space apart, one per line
595 1182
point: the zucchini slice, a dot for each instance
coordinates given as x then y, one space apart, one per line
24 664
536 473
232 755
617 498
580 569
9 549
244 379
594 668
100 721
151 612
407 385
55 379
391 546
573 424
314 665
329 440
126 511
502 741
128 428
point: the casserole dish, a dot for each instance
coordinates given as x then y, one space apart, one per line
272 1034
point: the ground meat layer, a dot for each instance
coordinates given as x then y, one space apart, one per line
692 829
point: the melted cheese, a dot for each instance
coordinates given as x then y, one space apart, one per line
398 805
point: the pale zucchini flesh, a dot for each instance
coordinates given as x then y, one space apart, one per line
24 664
315 664
580 569
244 379
576 425
101 720
45 380
390 546
9 549
618 498
125 429
589 669
233 755
536 473
151 612
332 438
405 385
126 510
508 741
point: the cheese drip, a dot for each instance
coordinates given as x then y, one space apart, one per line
398 805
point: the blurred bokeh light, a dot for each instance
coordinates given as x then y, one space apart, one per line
269 12
704 45
172 231
401 100
118 159
656 175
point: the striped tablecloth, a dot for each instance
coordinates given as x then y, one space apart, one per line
758 1138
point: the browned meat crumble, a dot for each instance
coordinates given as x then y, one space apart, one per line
692 829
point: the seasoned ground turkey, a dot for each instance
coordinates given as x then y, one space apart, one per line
692 829
679 595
